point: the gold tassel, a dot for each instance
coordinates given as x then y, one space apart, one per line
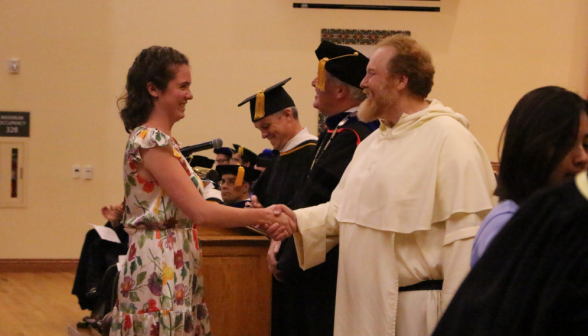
240 177
322 76
322 73
240 151
259 106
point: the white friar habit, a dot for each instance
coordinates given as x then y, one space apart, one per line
406 210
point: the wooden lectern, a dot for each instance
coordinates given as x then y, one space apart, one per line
237 283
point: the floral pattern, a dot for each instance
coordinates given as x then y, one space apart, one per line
160 287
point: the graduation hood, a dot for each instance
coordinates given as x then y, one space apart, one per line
409 122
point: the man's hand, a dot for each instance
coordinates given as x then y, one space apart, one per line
280 228
255 202
288 225
272 262
281 208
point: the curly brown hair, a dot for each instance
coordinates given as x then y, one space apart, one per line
412 61
155 65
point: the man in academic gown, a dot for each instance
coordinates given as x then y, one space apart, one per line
243 156
273 113
408 206
202 166
276 117
337 96
236 184
264 159
223 155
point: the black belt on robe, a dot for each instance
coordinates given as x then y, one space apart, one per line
423 285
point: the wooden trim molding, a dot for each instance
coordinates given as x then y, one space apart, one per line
495 166
38 265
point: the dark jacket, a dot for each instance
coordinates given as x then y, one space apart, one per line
533 278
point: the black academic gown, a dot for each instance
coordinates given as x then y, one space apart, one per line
533 278
96 256
277 185
240 204
312 303
279 182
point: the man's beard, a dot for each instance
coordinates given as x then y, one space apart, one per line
368 110
372 108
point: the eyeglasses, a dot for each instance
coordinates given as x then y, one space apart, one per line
228 182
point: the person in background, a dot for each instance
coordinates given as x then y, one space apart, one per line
160 284
274 113
532 279
236 182
96 256
243 156
264 160
277 120
545 143
202 166
308 305
223 155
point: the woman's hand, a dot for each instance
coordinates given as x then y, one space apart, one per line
283 226
273 230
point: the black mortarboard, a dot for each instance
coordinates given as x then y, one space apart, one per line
201 161
345 63
242 173
246 154
269 101
265 158
225 151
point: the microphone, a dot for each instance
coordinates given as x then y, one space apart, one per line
215 143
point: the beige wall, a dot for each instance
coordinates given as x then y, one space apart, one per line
75 55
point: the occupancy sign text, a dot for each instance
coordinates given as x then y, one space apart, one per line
15 124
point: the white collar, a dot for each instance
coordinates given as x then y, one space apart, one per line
299 138
353 109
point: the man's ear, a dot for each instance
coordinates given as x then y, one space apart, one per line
247 186
341 92
402 82
288 114
153 90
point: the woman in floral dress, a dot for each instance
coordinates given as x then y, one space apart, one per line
160 288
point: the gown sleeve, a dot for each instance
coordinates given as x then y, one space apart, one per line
461 228
318 233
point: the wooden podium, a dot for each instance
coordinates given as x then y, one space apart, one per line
237 283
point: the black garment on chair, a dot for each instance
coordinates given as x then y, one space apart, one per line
97 255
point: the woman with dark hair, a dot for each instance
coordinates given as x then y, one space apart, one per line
545 143
160 287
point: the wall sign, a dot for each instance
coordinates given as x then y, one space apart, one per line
15 124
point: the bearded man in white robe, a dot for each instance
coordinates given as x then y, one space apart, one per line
407 208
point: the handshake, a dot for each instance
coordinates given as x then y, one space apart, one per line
281 221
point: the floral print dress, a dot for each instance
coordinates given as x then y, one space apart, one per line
160 288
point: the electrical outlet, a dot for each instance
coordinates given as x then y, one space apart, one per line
14 66
76 171
87 172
